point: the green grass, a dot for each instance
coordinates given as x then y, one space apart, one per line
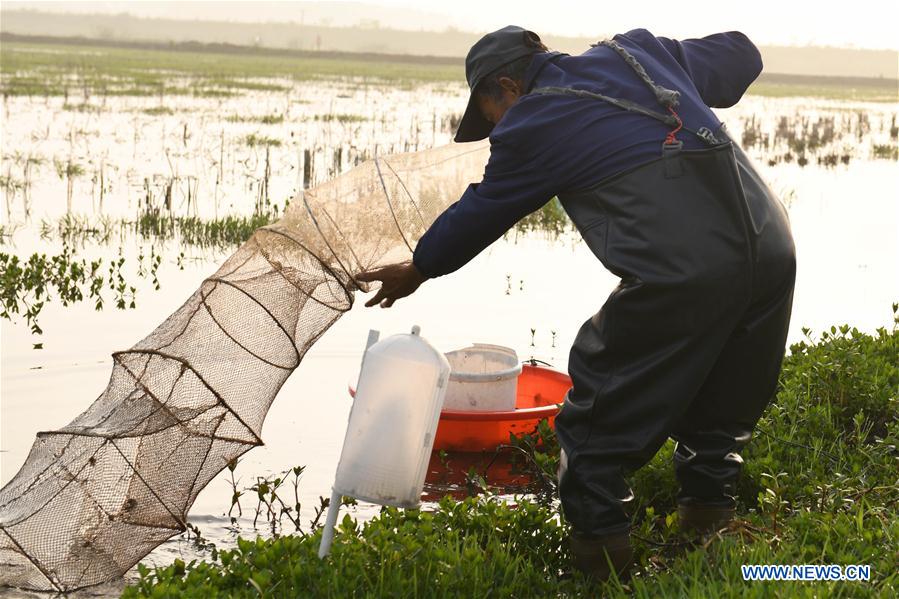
73 66
869 89
827 92
54 69
820 487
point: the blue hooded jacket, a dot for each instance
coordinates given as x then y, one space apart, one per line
548 144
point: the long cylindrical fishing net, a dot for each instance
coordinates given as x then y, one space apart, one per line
95 497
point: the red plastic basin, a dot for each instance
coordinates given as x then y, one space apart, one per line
540 394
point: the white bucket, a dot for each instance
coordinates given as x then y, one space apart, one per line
391 427
484 378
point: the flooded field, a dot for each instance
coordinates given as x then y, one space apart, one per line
154 190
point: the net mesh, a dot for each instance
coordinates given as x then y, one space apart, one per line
95 497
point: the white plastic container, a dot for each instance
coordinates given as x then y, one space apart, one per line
484 377
391 426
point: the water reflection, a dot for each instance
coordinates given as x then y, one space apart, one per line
465 474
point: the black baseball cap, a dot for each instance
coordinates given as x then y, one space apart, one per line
491 52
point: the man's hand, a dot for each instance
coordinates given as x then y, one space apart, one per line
397 280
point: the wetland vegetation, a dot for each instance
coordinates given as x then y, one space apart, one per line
820 487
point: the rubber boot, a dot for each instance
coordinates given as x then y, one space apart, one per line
704 519
598 557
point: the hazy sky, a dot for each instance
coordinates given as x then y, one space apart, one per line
856 23
869 23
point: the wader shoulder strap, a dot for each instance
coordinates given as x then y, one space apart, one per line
666 97
628 105
704 133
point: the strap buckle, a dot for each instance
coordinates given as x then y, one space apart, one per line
706 134
671 148
671 158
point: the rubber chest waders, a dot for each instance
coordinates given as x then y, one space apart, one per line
690 343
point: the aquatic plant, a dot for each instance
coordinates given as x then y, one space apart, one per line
156 227
158 111
830 139
221 233
69 171
266 119
885 151
26 286
340 118
253 140
550 219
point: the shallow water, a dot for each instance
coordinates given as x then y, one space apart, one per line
845 222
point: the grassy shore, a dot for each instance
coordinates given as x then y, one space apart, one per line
46 69
865 89
820 487
58 66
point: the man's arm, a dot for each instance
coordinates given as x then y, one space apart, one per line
511 189
722 66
